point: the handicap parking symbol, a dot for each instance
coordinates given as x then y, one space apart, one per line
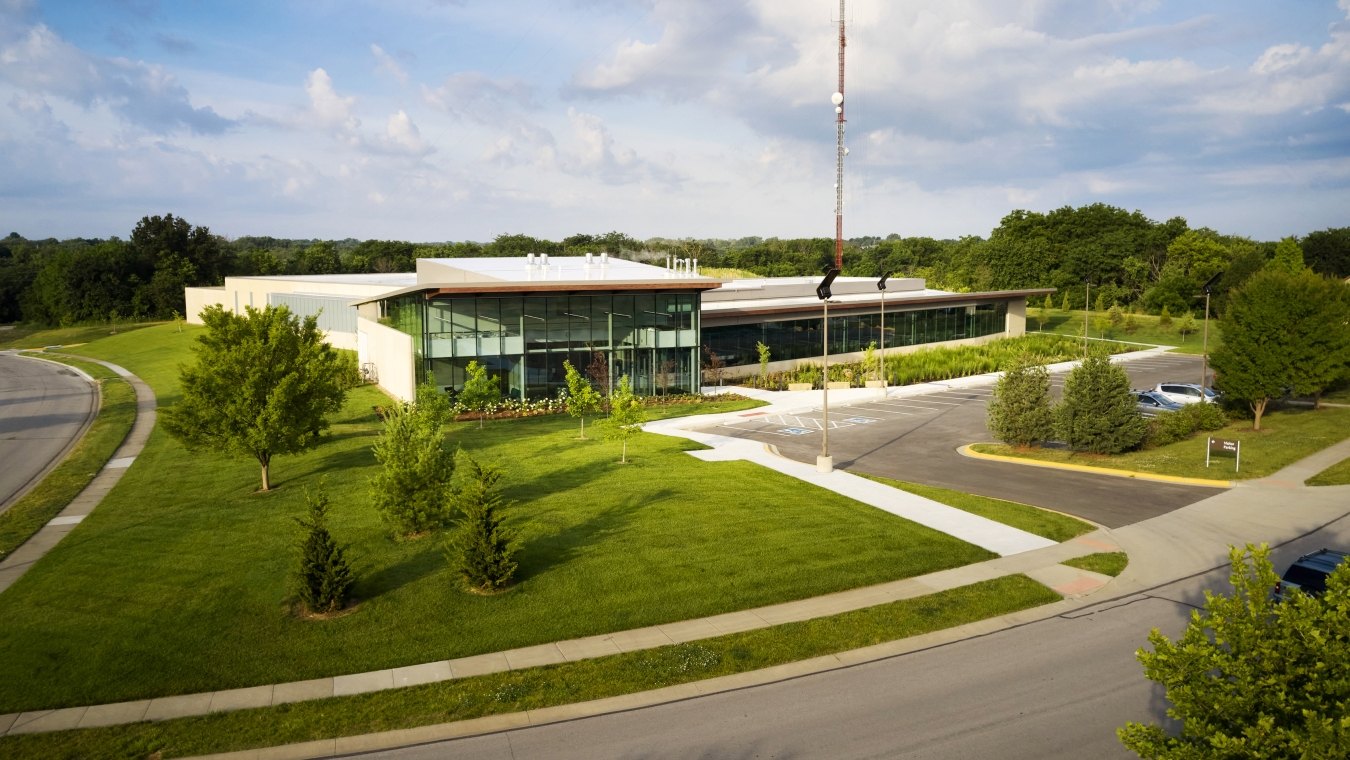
860 420
796 431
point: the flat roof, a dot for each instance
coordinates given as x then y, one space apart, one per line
583 269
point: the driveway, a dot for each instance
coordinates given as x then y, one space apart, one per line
915 438
44 408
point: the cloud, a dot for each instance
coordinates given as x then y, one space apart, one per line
595 153
386 63
329 108
38 61
175 44
477 97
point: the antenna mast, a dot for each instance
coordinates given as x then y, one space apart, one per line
840 151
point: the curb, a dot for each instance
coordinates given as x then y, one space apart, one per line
967 451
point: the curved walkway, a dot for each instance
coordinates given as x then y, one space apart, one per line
17 563
1190 540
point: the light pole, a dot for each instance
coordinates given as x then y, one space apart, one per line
1087 301
881 285
824 462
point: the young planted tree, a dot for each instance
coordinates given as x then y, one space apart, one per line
763 351
1281 332
1020 412
1098 412
263 384
1251 677
1165 318
626 415
480 392
1185 325
598 371
1064 302
714 365
410 489
323 580
481 550
583 400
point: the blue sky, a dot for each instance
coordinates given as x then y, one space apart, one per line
431 120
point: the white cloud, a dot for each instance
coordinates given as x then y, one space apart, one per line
331 109
386 63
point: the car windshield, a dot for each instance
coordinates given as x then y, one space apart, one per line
1308 579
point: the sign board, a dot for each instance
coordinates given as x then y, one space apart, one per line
1223 447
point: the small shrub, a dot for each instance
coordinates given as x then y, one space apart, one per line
481 550
324 580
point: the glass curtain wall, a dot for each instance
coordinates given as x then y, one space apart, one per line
801 338
523 340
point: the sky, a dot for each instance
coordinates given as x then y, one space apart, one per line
446 120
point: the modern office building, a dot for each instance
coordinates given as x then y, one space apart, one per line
522 317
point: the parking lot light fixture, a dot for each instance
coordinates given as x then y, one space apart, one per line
824 462
881 285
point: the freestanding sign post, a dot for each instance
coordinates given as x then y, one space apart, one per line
1224 447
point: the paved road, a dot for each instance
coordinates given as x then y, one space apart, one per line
916 439
43 408
1057 688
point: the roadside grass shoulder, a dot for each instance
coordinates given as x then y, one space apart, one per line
184 571
536 688
1336 475
1042 522
1106 563
117 411
1286 436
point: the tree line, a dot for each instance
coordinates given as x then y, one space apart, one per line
1124 257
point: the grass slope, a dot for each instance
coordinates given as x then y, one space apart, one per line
1336 475
1042 522
1147 330
535 688
179 582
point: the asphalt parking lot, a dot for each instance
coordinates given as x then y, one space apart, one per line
915 438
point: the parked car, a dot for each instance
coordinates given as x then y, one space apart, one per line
1187 393
1149 403
1309 573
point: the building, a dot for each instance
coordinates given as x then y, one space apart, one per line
522 317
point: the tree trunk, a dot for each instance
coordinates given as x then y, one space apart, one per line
623 458
1259 408
583 428
266 481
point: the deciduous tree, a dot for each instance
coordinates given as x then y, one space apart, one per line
411 488
626 415
1251 677
583 400
263 384
480 392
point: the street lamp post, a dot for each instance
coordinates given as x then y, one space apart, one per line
1204 345
1087 302
881 285
824 462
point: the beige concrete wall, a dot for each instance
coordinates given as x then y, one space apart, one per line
200 298
1017 317
391 352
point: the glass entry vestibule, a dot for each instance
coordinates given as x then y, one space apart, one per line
523 340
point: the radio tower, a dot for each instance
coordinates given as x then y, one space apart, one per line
838 100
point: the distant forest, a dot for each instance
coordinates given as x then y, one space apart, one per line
1129 259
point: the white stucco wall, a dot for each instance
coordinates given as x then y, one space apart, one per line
1017 317
391 352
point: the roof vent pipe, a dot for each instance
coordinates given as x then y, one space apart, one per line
588 258
529 260
695 272
543 259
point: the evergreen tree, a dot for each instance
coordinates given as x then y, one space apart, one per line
1165 318
1064 302
1098 412
582 398
626 415
480 392
482 550
324 580
410 489
1251 677
1020 412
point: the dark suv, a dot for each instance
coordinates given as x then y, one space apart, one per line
1309 573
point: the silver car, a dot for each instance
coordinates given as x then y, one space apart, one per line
1149 403
1187 393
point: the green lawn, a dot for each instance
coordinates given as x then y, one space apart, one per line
1042 522
535 688
1147 331
1286 436
116 412
1335 475
1106 563
179 581
29 337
